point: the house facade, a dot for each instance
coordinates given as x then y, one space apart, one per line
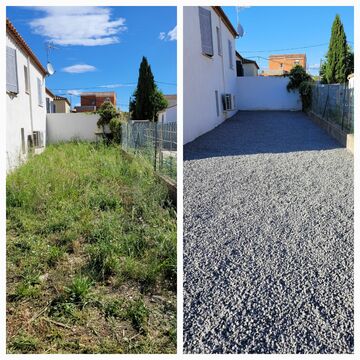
169 115
209 69
25 100
91 101
246 67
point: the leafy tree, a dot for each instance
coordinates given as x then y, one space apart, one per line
107 111
147 99
301 80
338 62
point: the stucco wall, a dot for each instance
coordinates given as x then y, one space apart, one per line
203 75
18 109
266 93
169 115
70 126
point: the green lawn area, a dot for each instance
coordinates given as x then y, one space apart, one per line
91 254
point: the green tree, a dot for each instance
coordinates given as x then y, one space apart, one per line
336 67
107 111
147 99
299 79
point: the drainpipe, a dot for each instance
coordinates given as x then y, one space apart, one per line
222 63
30 100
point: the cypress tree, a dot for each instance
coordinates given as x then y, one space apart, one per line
144 92
336 67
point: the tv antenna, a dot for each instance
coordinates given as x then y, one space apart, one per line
240 29
49 47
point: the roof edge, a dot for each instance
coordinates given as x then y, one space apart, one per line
226 20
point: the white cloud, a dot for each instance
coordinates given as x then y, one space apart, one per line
113 86
79 68
314 66
85 26
170 36
74 92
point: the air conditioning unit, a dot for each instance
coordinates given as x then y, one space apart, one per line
227 102
38 137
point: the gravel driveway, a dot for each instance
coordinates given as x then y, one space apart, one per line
268 238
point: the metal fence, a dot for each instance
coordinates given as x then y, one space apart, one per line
154 141
334 103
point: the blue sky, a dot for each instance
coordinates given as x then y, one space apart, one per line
283 27
101 46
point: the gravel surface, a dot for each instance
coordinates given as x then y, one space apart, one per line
268 238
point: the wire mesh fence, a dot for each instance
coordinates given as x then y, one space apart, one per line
334 103
154 141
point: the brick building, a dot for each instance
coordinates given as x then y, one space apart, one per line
91 101
282 64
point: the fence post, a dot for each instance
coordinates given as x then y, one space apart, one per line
155 147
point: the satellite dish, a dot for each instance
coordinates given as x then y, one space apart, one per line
240 30
50 69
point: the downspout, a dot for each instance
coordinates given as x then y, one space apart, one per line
222 64
30 100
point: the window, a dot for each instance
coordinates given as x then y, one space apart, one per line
26 75
53 107
281 65
297 62
40 93
218 36
230 55
11 71
206 32
239 68
23 140
217 102
48 108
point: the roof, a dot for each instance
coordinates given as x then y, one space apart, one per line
226 20
246 61
49 92
10 28
57 97
287 55
172 100
98 93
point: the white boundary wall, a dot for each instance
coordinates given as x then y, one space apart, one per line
70 126
266 93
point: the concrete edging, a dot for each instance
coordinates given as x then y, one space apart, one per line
346 140
169 183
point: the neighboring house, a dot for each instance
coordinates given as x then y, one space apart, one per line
246 67
169 115
50 106
25 99
282 64
210 79
91 101
351 81
62 104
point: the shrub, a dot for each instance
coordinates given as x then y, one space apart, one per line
115 127
301 80
107 111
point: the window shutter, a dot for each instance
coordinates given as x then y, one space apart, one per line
206 32
230 54
53 107
218 35
48 110
11 71
40 98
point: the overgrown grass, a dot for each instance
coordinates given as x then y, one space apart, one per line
87 230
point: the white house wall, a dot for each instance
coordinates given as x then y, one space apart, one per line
71 126
266 93
203 75
18 109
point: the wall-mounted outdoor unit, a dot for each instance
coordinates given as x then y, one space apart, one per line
228 103
38 137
